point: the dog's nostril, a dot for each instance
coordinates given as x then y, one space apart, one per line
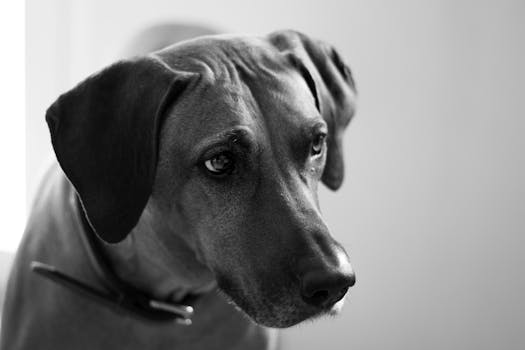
324 298
323 289
318 297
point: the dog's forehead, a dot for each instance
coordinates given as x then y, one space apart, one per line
243 81
217 55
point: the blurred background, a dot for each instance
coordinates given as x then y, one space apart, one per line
432 212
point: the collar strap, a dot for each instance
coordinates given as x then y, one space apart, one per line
121 296
137 305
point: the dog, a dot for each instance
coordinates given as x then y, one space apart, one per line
183 211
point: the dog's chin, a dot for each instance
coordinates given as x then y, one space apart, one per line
285 317
278 311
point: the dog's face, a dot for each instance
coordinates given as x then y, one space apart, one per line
243 137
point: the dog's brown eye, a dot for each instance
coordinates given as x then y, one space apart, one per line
318 144
219 164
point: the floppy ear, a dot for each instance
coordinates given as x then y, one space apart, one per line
335 90
105 136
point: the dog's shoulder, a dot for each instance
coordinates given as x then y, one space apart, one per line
52 223
51 236
52 213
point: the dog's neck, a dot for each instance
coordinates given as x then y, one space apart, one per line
161 264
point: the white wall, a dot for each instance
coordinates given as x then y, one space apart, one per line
433 208
12 134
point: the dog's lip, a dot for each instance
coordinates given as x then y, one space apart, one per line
337 307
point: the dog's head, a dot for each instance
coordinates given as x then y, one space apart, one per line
227 139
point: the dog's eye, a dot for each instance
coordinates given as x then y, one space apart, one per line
220 164
318 144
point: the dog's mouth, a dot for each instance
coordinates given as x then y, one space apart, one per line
280 308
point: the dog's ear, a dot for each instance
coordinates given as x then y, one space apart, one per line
334 93
105 135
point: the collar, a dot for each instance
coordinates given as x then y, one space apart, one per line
119 296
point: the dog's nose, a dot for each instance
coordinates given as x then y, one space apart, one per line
323 288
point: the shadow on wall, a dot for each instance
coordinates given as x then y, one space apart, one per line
161 35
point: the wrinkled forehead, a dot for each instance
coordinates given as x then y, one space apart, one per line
242 83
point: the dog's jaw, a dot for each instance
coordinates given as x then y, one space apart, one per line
280 311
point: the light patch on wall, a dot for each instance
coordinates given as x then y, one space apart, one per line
12 139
